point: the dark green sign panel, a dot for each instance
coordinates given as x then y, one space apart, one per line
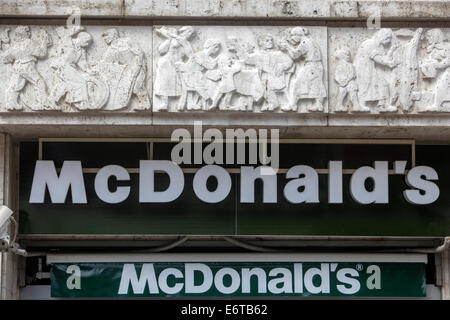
220 279
188 215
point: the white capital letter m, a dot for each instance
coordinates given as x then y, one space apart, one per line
129 275
45 175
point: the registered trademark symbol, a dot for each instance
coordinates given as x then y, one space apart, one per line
359 267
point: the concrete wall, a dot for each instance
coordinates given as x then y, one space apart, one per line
214 9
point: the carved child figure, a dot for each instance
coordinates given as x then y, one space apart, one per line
345 76
194 73
248 81
226 86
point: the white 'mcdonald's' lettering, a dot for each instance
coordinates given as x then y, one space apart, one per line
302 183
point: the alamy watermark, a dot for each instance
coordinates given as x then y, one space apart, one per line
374 19
220 148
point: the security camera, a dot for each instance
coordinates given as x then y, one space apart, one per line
5 217
4 243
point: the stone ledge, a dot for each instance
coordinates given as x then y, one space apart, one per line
421 134
57 119
397 120
281 120
60 7
273 9
241 119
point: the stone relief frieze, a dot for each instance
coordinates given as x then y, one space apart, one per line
220 69
389 70
75 69
240 69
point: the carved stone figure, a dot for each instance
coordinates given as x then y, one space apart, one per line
307 82
372 87
249 87
406 73
22 55
123 67
345 76
437 66
273 67
78 84
168 82
228 64
199 77
226 86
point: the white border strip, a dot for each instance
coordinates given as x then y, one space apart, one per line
236 257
